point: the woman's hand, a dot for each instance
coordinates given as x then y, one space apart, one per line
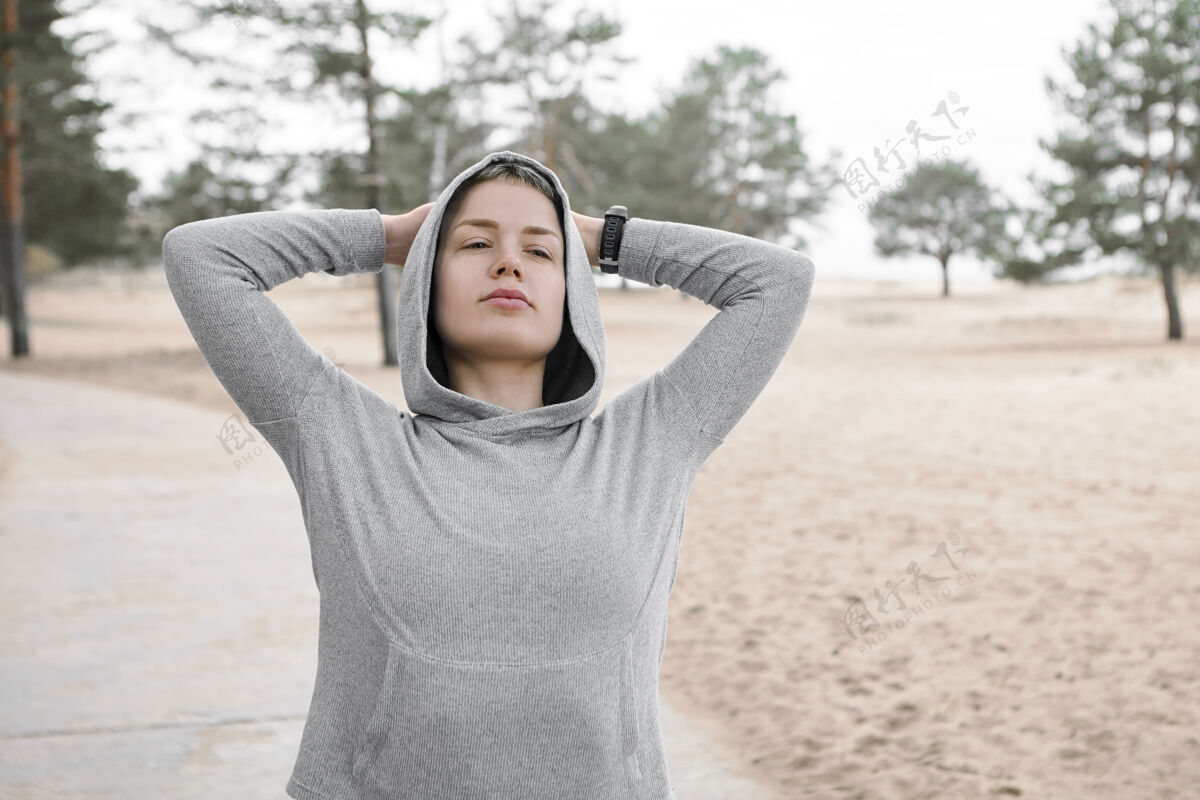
400 230
591 229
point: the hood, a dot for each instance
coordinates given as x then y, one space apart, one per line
574 373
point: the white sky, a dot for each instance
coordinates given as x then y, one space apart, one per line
856 74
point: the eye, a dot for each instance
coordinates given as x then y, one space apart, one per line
540 251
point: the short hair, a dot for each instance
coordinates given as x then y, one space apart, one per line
508 171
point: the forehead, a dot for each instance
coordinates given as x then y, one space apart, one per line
508 204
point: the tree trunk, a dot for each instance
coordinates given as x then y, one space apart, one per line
12 260
441 132
945 277
1174 320
549 147
384 280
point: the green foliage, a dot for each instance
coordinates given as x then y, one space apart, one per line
717 153
408 144
1132 149
199 193
721 154
74 205
941 210
317 58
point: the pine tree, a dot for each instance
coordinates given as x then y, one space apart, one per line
321 55
74 205
1132 150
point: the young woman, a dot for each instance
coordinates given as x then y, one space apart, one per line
494 563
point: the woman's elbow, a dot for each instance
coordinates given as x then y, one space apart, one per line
805 273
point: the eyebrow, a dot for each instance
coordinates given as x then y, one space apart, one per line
491 223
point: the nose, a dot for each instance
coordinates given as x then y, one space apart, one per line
508 262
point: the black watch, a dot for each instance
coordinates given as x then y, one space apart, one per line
610 237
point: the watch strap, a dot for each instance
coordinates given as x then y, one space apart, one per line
610 237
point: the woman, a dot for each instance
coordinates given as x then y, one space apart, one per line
494 564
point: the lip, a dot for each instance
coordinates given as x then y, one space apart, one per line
516 294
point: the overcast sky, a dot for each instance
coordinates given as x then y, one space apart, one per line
856 74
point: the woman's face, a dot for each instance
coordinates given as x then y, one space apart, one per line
503 235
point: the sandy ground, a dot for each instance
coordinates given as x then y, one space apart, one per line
1027 457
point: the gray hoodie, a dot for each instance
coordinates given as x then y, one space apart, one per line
493 583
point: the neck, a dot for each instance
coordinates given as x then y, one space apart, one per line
516 386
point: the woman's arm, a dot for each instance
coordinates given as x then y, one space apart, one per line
400 230
762 290
219 270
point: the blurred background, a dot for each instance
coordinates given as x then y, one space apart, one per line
823 129
996 375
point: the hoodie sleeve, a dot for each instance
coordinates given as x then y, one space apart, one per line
219 270
762 291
